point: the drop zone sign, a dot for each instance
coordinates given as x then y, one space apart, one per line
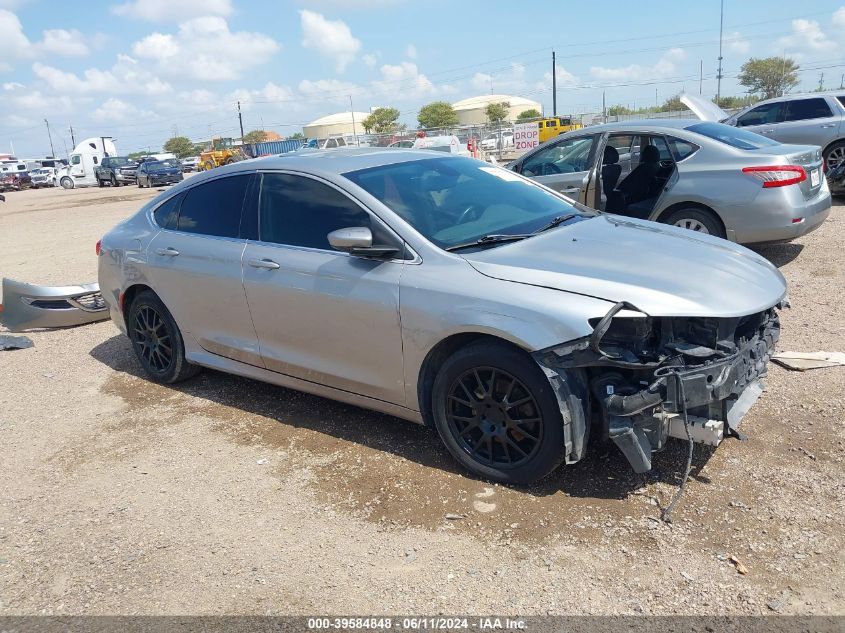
526 136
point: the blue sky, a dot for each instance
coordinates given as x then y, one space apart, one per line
138 70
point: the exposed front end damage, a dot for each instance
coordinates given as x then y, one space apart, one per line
651 378
28 307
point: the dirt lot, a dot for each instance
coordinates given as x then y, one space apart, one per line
223 495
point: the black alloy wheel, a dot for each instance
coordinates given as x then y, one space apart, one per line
156 340
153 342
494 417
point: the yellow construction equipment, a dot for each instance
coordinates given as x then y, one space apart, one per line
553 126
222 152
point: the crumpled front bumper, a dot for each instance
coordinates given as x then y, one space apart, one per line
27 306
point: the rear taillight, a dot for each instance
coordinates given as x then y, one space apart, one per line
98 247
777 175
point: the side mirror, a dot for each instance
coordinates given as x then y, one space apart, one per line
358 240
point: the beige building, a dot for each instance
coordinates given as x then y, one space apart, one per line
471 111
335 124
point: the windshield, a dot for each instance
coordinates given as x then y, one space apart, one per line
119 161
454 201
741 139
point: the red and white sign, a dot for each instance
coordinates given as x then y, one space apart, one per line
526 136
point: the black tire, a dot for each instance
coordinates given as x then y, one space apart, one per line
66 182
113 181
835 153
100 183
696 219
486 440
157 341
140 186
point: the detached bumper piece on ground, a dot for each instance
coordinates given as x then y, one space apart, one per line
28 307
655 378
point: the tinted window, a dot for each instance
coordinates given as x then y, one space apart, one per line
802 109
214 208
732 136
761 115
680 148
841 100
569 156
165 215
301 211
75 160
455 201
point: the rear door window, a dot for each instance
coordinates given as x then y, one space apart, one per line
762 115
803 109
214 208
167 212
681 149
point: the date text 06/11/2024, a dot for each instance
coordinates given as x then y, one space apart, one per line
438 623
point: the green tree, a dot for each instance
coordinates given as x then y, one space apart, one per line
296 136
616 110
672 104
179 145
497 112
437 114
382 121
527 115
731 103
256 136
135 155
769 76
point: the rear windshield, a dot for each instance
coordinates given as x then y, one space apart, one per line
732 136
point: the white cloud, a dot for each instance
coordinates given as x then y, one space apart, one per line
126 76
64 43
411 51
118 111
564 78
171 10
370 60
403 81
327 88
330 38
839 17
207 50
281 97
664 67
15 43
737 44
806 35
12 85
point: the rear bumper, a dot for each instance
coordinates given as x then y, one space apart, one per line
27 306
785 216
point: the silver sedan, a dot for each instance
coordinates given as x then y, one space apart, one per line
700 175
449 292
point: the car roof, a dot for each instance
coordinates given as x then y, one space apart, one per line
642 125
801 95
327 161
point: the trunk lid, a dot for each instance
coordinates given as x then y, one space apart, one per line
703 109
662 270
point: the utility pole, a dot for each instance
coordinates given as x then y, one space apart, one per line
719 73
241 121
72 139
50 136
603 106
554 86
700 74
842 81
821 82
352 114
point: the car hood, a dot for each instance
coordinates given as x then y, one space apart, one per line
703 109
662 270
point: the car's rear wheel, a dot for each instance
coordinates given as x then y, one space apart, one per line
157 341
835 155
698 220
497 414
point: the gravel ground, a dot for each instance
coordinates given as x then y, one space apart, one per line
224 495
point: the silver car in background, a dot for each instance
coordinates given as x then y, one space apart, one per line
804 119
449 292
694 174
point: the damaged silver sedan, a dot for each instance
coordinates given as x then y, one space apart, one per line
452 293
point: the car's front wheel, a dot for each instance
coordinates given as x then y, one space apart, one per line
497 414
157 341
66 183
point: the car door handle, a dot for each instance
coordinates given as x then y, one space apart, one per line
167 252
828 125
571 190
769 131
266 264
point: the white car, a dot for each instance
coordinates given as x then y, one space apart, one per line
491 141
448 144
